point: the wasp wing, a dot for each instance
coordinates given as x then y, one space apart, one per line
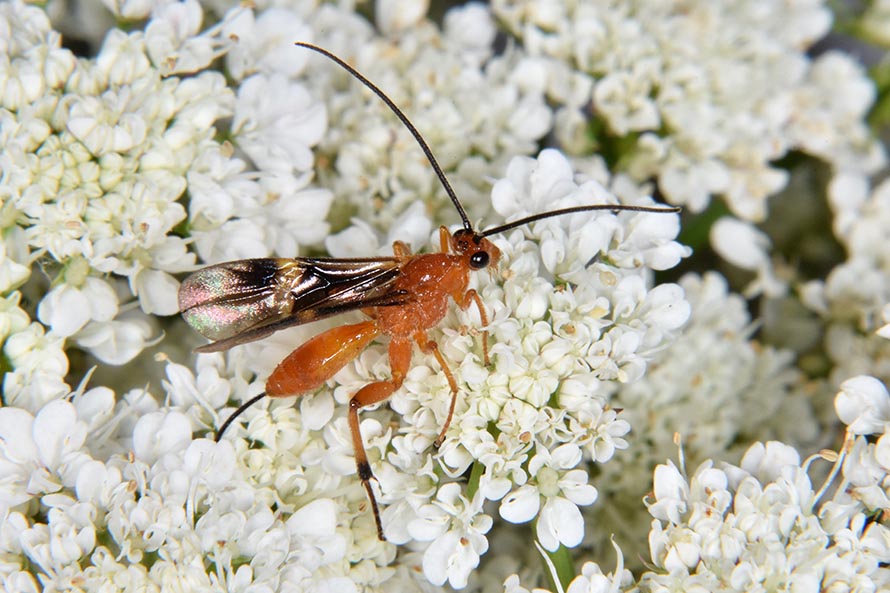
245 300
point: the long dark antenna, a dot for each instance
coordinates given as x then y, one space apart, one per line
573 209
237 413
404 119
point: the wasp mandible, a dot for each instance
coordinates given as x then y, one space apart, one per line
403 297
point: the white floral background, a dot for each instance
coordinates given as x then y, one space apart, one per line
690 402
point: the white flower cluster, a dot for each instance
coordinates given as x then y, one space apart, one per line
708 94
715 387
98 153
853 298
150 520
758 525
476 107
763 525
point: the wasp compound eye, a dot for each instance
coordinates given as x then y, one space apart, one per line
479 260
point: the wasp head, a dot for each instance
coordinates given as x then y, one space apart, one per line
478 251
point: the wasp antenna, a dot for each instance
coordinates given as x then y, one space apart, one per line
241 409
561 211
404 119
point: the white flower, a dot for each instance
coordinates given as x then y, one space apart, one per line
866 471
711 386
455 528
172 39
296 218
412 227
592 579
766 462
554 479
40 454
832 127
265 42
12 272
72 534
118 176
39 368
207 389
513 585
625 99
740 534
111 122
117 341
470 25
67 309
863 405
157 292
547 183
393 16
158 434
746 247
313 533
276 122
12 318
368 159
219 187
129 9
603 432
851 299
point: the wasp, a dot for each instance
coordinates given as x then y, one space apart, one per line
402 296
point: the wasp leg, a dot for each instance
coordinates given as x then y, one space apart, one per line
372 393
316 361
400 249
444 239
428 346
464 301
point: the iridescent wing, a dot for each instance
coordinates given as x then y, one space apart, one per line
245 300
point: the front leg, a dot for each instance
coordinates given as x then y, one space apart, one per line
464 300
444 239
428 346
401 250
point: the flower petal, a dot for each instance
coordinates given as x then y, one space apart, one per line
522 505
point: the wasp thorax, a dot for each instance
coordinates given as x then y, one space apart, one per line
481 252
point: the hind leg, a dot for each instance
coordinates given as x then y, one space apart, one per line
372 393
319 359
313 363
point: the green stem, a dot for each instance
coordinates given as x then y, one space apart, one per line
564 565
475 475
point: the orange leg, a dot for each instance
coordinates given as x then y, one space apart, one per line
464 301
372 393
316 361
444 239
400 249
428 346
